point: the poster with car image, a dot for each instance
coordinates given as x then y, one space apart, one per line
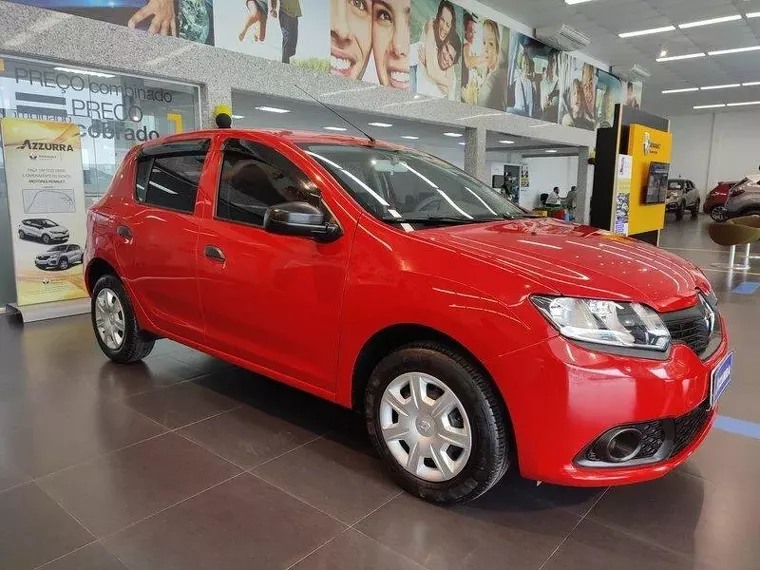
43 169
485 57
436 34
188 19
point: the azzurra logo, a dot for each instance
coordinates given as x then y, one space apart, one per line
33 145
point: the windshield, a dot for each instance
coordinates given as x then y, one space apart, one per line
675 184
48 224
58 248
408 186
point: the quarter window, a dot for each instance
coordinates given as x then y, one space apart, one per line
141 179
255 177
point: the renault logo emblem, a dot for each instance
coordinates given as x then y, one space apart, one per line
647 142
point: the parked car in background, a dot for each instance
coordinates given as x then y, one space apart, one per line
473 337
682 196
60 257
42 229
716 200
744 198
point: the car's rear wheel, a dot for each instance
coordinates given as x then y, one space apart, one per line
680 211
695 209
437 422
45 239
22 234
63 263
115 324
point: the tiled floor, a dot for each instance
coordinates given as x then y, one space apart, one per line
185 462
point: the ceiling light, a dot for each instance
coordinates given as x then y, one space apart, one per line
272 109
507 142
663 51
751 84
734 50
571 2
462 143
550 151
85 72
753 15
410 137
710 21
743 104
383 125
341 129
678 57
726 86
647 32
454 135
238 116
684 90
716 106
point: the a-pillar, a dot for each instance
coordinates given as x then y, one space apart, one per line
475 152
583 197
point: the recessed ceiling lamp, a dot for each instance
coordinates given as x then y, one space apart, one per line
382 125
453 135
734 50
462 143
341 129
720 20
507 142
753 15
751 84
715 106
550 151
647 32
238 116
679 57
726 86
409 137
663 51
684 90
571 2
272 109
743 104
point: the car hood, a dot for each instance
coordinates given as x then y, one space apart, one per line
573 260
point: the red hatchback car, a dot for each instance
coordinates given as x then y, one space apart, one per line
471 335
716 200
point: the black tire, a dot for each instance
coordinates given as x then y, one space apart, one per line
45 239
489 458
680 211
21 234
695 209
63 263
137 344
718 213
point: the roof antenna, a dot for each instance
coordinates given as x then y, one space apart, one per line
334 112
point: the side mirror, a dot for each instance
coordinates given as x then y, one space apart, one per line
300 219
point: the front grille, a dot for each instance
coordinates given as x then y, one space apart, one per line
689 426
653 436
692 327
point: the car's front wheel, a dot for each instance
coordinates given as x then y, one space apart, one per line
63 263
680 211
45 239
437 422
22 234
115 324
718 213
695 209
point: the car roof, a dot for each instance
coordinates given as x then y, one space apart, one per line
294 137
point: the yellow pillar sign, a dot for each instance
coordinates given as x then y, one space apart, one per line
646 146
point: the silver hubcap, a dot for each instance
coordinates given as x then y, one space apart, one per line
425 426
109 319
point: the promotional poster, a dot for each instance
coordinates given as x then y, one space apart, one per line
623 193
608 93
578 98
189 19
389 63
485 56
436 49
43 167
534 85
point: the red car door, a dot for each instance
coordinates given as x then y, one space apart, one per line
158 236
271 300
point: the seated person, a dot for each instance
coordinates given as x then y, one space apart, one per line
553 198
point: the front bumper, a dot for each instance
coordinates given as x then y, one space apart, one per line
46 263
565 397
671 206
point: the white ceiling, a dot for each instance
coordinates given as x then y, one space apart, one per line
603 20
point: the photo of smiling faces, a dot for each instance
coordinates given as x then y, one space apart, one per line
608 93
389 64
534 87
484 63
577 103
435 57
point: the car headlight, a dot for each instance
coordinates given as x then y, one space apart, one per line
611 323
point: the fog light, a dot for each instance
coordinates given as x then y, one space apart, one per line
619 446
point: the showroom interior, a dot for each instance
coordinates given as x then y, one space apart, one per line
609 448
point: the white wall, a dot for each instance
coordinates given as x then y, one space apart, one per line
545 174
710 148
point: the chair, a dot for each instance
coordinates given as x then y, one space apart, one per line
542 199
737 231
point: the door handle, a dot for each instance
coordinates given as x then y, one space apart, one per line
214 253
124 232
